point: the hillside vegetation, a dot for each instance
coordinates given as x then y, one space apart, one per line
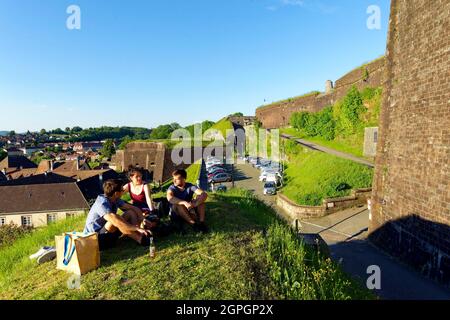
222 126
312 176
248 255
340 126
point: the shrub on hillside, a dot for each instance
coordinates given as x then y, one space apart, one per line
345 118
11 232
348 113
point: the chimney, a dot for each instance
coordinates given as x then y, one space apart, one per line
78 164
51 165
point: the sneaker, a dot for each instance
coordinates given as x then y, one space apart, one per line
196 227
48 255
203 227
145 241
40 252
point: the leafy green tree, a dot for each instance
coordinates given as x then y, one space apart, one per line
12 133
348 113
124 142
108 149
58 131
3 154
164 131
43 131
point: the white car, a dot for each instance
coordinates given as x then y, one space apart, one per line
269 176
211 163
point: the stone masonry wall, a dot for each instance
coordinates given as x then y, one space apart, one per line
411 192
278 114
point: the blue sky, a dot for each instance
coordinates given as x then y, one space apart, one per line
149 62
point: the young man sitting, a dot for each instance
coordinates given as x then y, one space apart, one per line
180 196
104 220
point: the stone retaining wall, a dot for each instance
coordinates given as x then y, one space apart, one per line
295 211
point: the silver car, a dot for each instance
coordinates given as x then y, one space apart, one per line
220 177
270 188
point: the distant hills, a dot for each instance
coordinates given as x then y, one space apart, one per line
4 133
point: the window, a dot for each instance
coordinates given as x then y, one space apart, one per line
51 217
26 221
70 215
375 137
2 221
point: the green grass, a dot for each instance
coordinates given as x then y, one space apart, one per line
237 260
223 126
312 176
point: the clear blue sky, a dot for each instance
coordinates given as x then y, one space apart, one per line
149 62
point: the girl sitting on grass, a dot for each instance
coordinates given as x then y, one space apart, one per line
139 191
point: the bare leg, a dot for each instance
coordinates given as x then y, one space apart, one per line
128 216
132 218
183 212
201 212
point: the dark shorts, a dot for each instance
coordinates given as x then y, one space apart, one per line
107 240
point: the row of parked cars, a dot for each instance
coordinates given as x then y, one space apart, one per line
271 173
217 171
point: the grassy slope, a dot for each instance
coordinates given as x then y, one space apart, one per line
222 126
351 145
232 262
313 176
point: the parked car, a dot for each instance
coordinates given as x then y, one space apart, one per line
253 161
270 188
220 177
210 175
269 176
215 168
221 188
213 163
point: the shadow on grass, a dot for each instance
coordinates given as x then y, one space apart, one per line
225 215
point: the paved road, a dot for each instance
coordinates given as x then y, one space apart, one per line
346 234
314 146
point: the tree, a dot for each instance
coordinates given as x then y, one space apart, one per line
237 114
3 154
67 129
108 149
12 133
164 131
43 131
76 129
124 142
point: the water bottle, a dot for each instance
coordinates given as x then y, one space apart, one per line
152 249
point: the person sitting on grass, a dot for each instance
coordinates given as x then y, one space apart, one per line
104 220
182 204
139 191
